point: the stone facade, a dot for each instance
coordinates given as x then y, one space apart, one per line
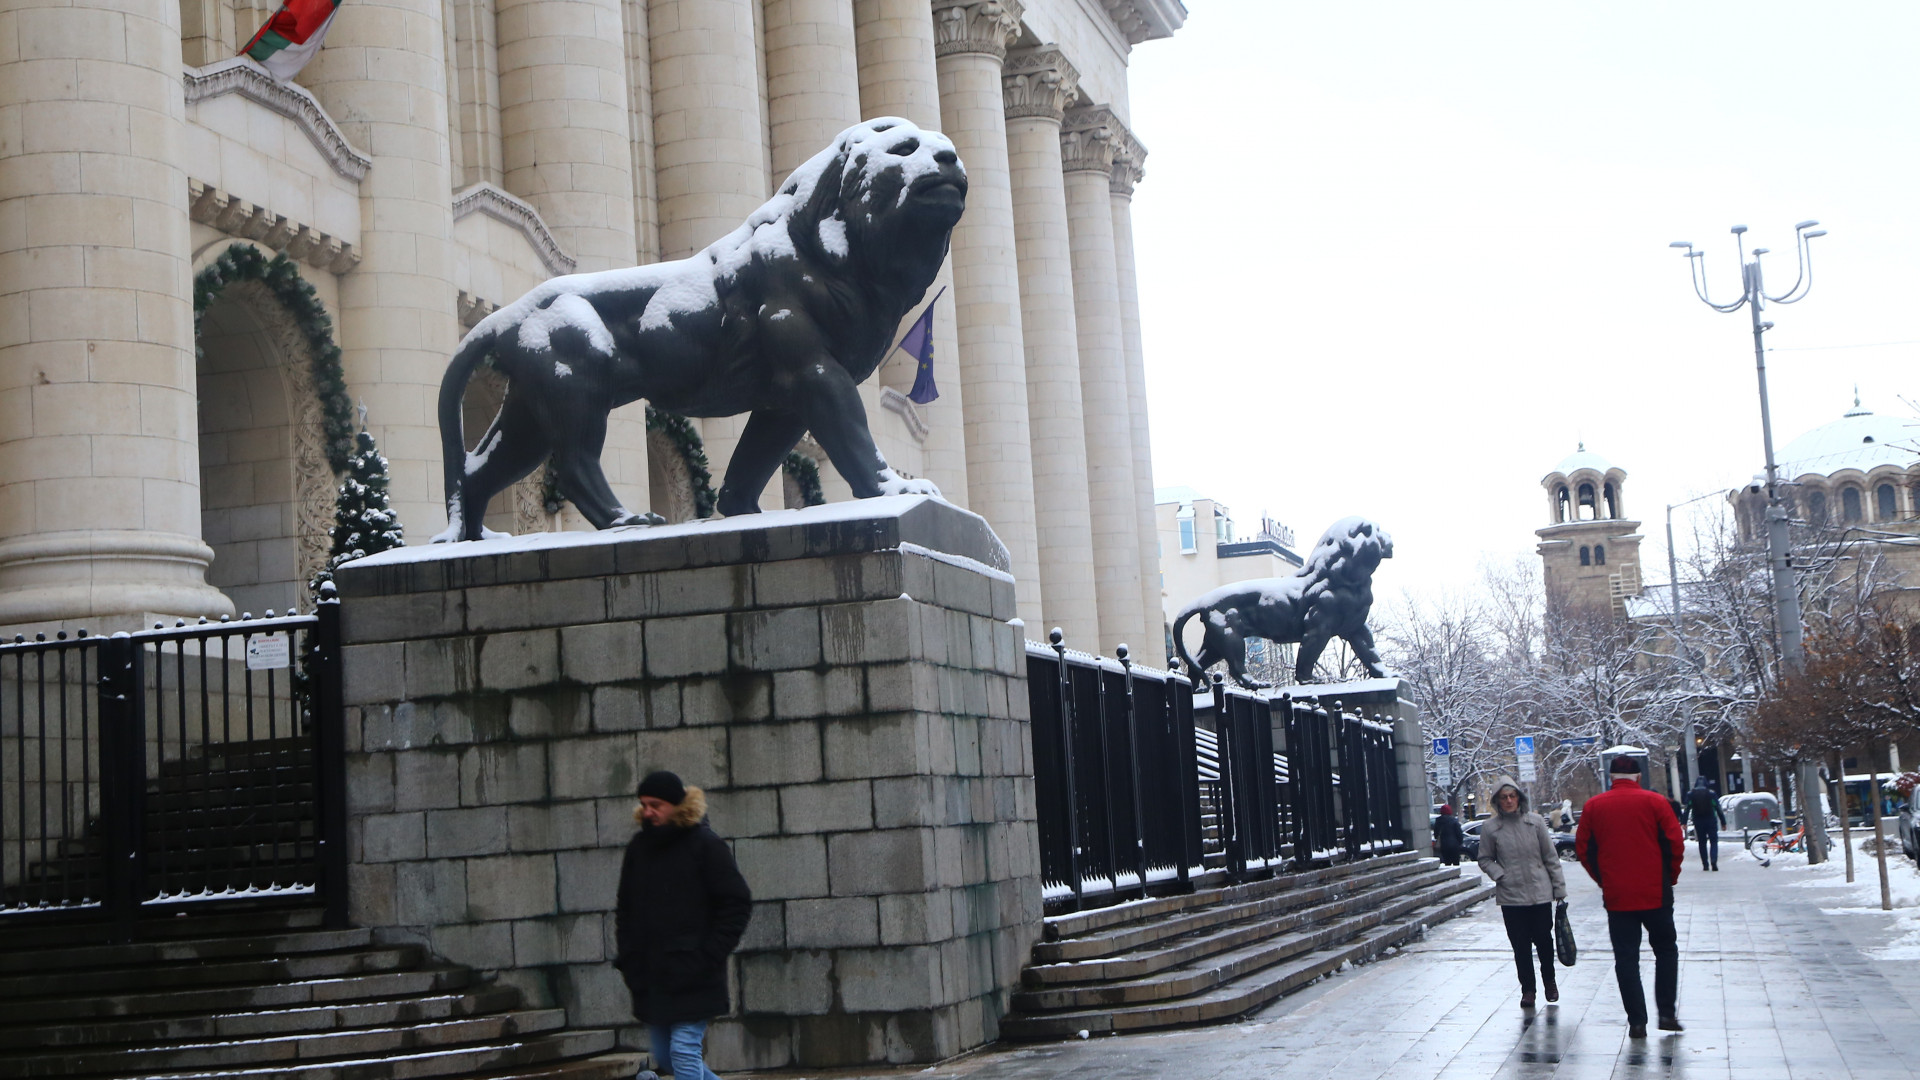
843 681
1200 548
436 160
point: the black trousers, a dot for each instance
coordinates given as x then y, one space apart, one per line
1708 838
1624 928
1530 929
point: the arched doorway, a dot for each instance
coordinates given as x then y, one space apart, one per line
265 484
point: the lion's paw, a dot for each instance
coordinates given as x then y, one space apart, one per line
892 483
638 521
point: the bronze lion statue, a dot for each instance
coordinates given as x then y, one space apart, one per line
781 319
1329 597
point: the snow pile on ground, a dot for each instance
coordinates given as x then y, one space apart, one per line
1863 896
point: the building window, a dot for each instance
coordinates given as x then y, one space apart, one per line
1222 528
1599 554
1562 506
1586 556
1850 504
1186 534
1817 507
1588 511
1884 496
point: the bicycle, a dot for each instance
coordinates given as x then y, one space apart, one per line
1766 845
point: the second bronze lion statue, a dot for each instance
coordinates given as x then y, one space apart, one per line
1329 597
783 319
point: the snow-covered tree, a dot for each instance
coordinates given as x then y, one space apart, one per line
363 520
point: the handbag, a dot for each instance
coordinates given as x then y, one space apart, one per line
1563 944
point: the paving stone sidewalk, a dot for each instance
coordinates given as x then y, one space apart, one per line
1770 989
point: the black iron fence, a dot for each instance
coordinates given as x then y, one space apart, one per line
187 765
1115 777
1144 786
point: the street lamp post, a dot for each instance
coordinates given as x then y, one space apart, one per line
1786 592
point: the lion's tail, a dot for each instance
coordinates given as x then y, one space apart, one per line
453 442
1180 646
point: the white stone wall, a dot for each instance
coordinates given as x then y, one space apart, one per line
628 130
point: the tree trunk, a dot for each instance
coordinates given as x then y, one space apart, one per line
1813 817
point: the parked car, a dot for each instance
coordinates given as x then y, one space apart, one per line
1470 833
1909 836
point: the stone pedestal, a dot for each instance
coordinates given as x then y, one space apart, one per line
841 680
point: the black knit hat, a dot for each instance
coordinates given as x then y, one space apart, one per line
663 785
1625 763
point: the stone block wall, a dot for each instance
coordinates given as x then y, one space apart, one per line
850 694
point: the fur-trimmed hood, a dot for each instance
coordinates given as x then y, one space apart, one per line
691 811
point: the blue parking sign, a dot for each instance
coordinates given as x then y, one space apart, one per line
1440 748
1523 745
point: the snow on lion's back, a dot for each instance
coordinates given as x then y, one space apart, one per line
685 286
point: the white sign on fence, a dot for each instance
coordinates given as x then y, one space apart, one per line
267 651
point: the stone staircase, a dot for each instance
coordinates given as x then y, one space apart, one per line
270 994
1217 954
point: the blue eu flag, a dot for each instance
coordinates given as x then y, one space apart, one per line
919 343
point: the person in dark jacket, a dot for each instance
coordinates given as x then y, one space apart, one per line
1632 847
680 911
1703 808
1448 836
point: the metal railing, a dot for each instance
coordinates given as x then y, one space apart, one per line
1143 786
184 765
1115 777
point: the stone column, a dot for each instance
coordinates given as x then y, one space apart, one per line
813 94
1087 151
1128 167
396 321
1037 84
898 77
99 439
710 158
566 147
970 39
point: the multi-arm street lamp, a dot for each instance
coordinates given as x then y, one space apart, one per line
1786 592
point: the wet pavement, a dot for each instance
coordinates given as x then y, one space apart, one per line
1770 989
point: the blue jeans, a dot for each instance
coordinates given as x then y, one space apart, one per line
676 1047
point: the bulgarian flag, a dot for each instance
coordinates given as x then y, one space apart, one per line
291 37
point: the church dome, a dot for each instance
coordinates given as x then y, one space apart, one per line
1583 458
1861 439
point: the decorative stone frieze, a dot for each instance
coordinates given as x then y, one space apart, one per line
472 309
1038 83
1089 138
242 76
1144 20
975 26
896 402
239 218
484 198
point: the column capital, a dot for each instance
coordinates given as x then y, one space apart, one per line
1088 138
1038 82
1129 165
975 26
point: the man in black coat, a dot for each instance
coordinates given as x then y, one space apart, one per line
1703 806
681 909
1448 835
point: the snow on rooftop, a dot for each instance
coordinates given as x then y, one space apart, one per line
1862 439
1179 493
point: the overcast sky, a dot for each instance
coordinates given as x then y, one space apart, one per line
1396 258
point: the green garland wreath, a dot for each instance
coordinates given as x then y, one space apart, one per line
679 431
805 472
244 262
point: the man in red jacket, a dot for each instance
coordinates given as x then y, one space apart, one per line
1632 846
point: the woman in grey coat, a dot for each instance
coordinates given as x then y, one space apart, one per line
1516 851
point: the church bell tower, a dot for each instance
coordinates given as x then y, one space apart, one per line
1590 554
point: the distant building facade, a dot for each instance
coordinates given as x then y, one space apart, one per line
164 446
1201 548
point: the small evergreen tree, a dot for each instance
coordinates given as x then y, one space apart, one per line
363 521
